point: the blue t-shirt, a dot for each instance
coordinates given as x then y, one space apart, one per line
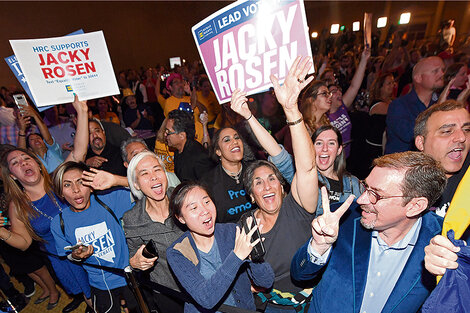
97 227
53 157
210 263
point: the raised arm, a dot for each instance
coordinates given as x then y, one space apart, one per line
46 135
23 122
277 155
305 182
80 143
239 105
350 94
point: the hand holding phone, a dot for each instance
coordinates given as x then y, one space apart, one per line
21 102
150 250
258 251
74 247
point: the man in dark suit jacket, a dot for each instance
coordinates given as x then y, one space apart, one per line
374 262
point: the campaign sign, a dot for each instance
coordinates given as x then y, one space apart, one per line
56 68
244 43
16 69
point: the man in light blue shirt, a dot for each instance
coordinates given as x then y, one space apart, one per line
374 262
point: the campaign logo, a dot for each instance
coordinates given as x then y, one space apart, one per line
100 237
68 88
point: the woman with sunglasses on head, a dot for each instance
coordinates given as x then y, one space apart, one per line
211 260
33 205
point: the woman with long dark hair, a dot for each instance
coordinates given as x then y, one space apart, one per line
33 205
331 165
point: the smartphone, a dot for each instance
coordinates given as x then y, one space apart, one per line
20 101
258 251
150 250
76 246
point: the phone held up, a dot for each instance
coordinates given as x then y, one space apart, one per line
258 251
20 101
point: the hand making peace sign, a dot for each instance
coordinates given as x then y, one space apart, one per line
325 227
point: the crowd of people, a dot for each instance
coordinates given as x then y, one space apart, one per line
347 175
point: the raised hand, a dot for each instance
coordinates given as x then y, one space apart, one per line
325 227
204 118
98 179
441 254
23 122
79 106
140 262
295 81
243 244
445 93
463 96
238 103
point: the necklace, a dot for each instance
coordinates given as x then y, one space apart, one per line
44 214
236 175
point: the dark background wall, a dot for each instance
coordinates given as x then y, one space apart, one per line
147 33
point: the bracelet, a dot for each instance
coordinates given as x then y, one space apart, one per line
249 117
295 122
5 239
22 135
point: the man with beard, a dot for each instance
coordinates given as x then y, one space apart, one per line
443 132
102 155
375 259
428 76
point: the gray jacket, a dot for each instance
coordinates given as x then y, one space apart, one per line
139 229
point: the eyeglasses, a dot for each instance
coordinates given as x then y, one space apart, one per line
325 94
374 197
169 132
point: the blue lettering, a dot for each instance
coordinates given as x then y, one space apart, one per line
41 49
239 208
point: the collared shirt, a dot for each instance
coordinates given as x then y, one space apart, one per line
9 133
385 266
401 116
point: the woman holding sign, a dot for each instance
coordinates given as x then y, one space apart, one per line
33 205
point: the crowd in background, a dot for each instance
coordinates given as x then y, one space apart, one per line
166 137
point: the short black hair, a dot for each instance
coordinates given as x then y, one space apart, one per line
183 122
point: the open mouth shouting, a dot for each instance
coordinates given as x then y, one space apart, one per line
455 154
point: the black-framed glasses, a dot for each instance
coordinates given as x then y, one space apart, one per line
169 132
325 94
374 197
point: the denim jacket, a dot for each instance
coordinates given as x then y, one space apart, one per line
351 186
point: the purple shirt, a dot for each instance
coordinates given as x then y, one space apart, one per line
340 119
